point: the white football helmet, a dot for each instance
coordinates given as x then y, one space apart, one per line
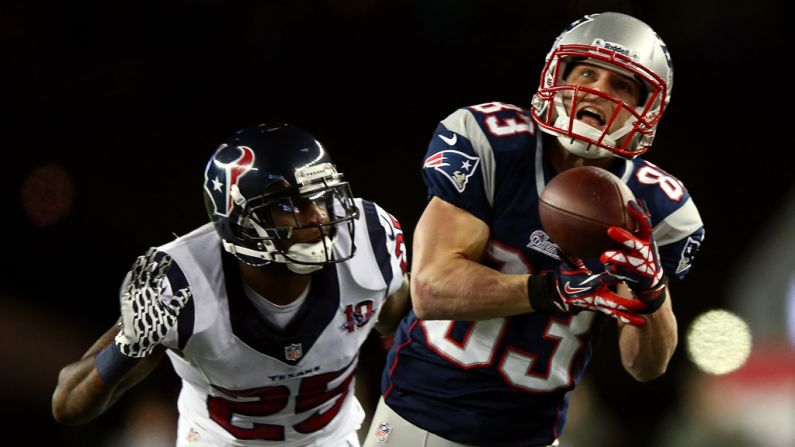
620 43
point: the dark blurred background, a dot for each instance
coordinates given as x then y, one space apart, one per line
112 108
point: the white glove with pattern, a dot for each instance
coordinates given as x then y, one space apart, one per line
147 315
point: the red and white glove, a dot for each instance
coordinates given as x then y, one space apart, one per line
639 262
573 287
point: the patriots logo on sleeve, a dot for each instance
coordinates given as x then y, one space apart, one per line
688 253
457 166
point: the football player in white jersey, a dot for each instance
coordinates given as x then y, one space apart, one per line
261 312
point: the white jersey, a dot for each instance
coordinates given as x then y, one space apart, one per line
246 382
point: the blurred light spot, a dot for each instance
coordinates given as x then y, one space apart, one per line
47 194
718 342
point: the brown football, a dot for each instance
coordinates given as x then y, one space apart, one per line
578 206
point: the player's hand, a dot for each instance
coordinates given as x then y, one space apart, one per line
579 288
639 262
147 315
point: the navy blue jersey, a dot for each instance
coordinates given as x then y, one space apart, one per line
506 381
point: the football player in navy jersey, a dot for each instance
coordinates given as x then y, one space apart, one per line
503 324
262 312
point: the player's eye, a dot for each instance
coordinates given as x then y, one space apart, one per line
285 207
627 90
624 87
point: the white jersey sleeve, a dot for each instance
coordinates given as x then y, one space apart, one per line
387 244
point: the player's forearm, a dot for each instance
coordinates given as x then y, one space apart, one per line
460 289
81 394
394 309
646 351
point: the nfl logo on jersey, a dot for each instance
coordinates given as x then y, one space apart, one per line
382 432
293 352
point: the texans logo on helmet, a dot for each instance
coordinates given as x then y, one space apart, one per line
456 166
226 168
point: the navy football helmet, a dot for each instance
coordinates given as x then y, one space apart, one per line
620 43
269 184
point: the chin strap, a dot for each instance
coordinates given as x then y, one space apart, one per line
303 269
579 147
317 253
266 257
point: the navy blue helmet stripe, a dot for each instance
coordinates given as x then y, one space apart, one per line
378 240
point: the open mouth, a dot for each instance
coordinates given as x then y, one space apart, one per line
592 117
